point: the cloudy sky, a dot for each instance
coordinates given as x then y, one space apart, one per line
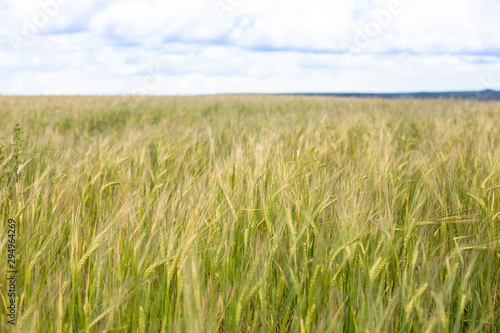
231 46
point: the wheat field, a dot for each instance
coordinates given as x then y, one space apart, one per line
251 214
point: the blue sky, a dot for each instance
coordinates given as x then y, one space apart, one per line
247 46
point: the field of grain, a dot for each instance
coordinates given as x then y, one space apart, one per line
251 213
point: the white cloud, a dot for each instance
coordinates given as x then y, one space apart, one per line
109 47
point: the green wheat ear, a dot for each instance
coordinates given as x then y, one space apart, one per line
180 214
142 320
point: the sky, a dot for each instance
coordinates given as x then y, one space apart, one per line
191 47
